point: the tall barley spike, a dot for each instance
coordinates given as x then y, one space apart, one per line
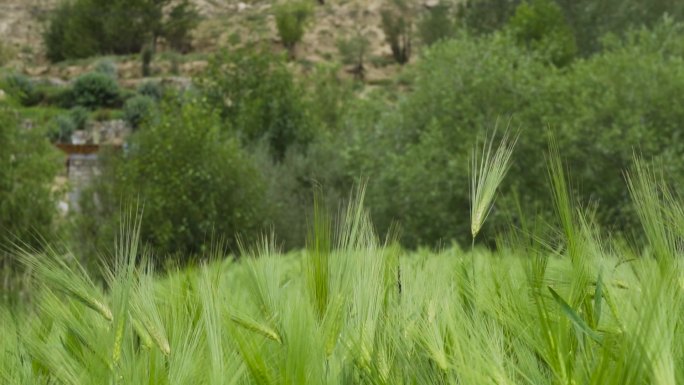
487 172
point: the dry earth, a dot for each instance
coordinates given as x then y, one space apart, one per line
225 23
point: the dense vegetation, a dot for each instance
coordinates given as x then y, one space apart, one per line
281 135
207 251
354 310
83 28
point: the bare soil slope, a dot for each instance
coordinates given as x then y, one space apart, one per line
225 23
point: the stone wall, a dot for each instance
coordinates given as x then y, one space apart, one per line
81 169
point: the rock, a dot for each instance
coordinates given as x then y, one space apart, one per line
37 71
3 96
242 6
193 67
56 82
431 3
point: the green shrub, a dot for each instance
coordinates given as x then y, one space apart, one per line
600 110
591 20
28 165
258 97
291 18
354 49
61 128
22 89
94 90
80 116
138 109
72 32
192 177
485 16
541 26
397 24
438 23
182 19
146 57
107 67
152 89
83 28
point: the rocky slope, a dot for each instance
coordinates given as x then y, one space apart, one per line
225 23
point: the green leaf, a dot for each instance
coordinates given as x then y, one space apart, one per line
574 317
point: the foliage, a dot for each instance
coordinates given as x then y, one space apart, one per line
183 18
541 26
63 125
257 96
591 20
600 110
94 89
83 28
146 57
107 67
72 32
437 23
588 20
28 165
152 89
61 128
22 89
353 310
291 19
80 116
138 109
193 179
397 24
354 49
486 16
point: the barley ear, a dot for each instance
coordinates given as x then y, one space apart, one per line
488 168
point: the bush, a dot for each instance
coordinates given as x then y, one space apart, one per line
353 50
107 67
591 20
194 181
599 109
291 18
138 109
28 165
80 116
485 16
72 32
146 57
83 28
152 89
541 26
437 24
22 89
397 24
258 98
182 19
61 128
94 90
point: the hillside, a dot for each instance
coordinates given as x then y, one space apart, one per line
225 23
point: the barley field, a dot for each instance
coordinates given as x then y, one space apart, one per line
551 305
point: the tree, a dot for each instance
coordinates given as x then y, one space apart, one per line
83 28
192 178
291 20
28 166
258 98
397 24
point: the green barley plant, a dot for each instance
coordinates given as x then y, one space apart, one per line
565 305
488 168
